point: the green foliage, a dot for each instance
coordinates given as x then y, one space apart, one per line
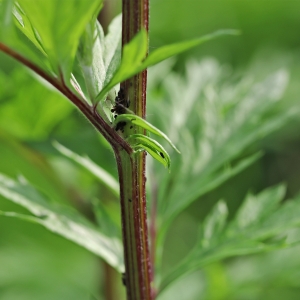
85 162
215 118
265 220
214 126
256 227
57 34
134 58
57 219
214 122
35 121
99 56
136 120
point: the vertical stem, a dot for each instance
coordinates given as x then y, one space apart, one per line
131 168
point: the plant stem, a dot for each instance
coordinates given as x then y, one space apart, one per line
132 171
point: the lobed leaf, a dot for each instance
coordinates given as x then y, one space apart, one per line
261 230
215 124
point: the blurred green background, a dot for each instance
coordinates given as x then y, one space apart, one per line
36 264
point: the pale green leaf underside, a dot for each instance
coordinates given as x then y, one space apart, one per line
108 180
62 221
136 120
134 53
143 142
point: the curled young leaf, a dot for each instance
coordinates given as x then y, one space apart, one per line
143 142
136 120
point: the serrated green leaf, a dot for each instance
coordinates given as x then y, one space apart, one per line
143 142
60 35
61 220
136 120
134 53
108 180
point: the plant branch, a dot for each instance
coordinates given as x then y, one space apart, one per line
90 113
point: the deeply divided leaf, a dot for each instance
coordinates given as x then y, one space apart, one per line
259 231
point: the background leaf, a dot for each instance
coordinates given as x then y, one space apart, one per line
96 170
215 124
242 237
58 220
